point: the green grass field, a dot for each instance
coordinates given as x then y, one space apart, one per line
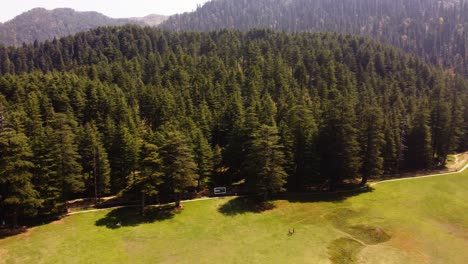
411 221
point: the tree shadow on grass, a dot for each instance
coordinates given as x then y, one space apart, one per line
242 205
131 216
333 197
9 231
252 204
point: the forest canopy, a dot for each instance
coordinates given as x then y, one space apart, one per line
143 111
434 30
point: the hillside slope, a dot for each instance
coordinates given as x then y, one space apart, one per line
333 107
435 30
41 24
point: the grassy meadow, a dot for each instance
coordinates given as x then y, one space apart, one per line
411 221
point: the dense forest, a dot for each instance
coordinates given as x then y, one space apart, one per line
139 111
435 30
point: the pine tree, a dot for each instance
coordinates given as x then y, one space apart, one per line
303 134
264 163
218 167
373 140
123 157
338 143
17 194
65 148
440 122
204 160
419 153
93 159
149 178
45 172
178 163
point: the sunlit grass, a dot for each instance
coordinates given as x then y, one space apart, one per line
413 221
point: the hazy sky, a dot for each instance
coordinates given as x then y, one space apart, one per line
113 8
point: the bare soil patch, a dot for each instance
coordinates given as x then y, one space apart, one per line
405 242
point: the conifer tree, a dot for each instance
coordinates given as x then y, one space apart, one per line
419 153
149 178
65 148
303 137
93 159
264 163
339 147
45 172
17 194
373 140
204 160
178 163
123 157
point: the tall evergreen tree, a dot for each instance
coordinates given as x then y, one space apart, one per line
65 148
93 159
17 194
204 160
338 140
303 133
149 178
419 153
264 163
373 140
178 163
123 157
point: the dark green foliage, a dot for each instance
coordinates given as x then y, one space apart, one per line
300 137
17 194
180 169
151 167
435 30
204 159
123 156
338 143
147 181
66 158
264 163
372 140
419 153
93 159
331 108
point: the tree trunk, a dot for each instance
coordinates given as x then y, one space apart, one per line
364 180
143 203
157 199
333 183
177 200
15 218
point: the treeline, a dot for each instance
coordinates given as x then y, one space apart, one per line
146 112
435 30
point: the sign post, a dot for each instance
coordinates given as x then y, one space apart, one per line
220 190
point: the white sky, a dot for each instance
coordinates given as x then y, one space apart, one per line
112 8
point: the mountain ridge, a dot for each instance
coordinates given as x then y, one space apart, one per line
434 30
42 24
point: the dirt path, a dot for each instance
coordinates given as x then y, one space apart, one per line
420 177
458 162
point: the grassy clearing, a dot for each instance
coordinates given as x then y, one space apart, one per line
413 221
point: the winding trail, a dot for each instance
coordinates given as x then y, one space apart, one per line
224 197
421 177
